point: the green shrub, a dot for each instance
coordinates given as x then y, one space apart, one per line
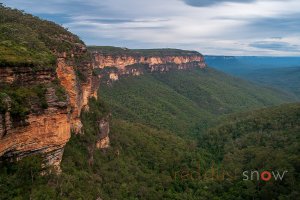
3 107
22 98
40 91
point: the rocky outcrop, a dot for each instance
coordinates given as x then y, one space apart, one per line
46 131
79 91
68 80
103 135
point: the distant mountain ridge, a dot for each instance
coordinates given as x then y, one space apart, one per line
279 72
237 65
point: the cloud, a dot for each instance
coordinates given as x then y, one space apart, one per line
228 27
276 46
285 24
203 3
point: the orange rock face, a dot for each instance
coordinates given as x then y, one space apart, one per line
110 61
47 131
103 143
68 80
122 61
136 65
79 93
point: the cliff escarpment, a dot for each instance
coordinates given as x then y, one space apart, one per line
115 62
47 77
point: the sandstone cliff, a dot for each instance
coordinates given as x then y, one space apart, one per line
116 62
45 82
45 130
122 61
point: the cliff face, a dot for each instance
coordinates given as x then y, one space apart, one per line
135 62
45 130
124 60
45 82
78 93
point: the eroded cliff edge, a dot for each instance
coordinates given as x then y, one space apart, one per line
114 61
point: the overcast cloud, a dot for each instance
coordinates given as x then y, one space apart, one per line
223 27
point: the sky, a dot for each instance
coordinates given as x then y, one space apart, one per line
212 27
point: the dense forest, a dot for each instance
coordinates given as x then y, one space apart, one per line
286 78
186 100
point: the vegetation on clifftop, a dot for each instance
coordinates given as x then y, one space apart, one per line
27 99
117 51
26 40
21 99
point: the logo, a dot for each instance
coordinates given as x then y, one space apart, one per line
265 175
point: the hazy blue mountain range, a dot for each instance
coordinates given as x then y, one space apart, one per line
244 64
278 72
